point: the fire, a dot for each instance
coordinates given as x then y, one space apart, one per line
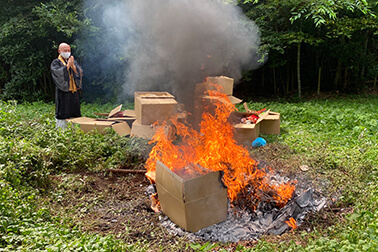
215 148
292 223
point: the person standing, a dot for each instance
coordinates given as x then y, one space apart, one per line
67 77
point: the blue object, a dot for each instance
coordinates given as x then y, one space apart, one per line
258 142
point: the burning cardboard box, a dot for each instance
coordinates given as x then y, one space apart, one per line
193 202
203 101
153 106
148 131
226 83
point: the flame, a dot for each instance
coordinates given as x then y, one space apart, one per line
292 223
155 203
215 148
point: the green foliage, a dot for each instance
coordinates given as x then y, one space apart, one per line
338 138
31 149
24 227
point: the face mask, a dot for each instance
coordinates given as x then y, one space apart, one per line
65 55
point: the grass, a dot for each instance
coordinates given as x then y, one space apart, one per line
336 138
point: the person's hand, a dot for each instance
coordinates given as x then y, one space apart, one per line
70 64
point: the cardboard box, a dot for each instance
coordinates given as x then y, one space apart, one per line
153 106
271 124
226 82
193 203
125 113
245 134
120 125
205 101
201 88
140 130
87 124
147 131
122 128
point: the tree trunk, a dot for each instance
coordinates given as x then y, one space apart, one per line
345 79
274 81
338 68
364 53
319 80
338 74
375 82
44 84
299 70
287 78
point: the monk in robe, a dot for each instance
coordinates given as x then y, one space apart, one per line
67 77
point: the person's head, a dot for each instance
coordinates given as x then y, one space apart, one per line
64 50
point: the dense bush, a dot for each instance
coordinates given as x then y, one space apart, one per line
31 149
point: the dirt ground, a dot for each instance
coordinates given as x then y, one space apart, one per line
115 203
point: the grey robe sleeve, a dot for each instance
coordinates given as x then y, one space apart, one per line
59 75
78 76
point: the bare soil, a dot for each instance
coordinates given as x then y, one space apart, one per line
117 204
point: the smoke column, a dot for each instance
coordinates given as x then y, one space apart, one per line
171 45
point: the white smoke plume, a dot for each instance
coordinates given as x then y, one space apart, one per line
173 44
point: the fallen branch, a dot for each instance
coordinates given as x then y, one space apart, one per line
126 171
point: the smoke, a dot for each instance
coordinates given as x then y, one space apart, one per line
171 45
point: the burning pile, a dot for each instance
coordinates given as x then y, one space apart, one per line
214 148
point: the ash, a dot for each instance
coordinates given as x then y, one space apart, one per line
243 224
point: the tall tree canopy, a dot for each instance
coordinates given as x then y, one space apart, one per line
311 46
322 42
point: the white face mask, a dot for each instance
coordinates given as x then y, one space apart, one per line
65 55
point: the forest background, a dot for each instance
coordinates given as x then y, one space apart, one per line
307 46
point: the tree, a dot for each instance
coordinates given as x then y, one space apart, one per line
29 36
320 30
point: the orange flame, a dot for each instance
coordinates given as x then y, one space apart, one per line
215 148
292 223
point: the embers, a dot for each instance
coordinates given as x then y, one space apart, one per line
243 224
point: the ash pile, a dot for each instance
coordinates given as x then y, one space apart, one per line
244 224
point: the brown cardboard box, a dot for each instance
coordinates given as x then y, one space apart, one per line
193 203
271 124
122 128
147 131
140 130
205 101
226 82
201 88
153 106
120 125
87 124
245 134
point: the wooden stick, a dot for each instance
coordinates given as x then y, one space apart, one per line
246 107
126 171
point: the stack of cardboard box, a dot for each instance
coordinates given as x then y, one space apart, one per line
244 134
151 107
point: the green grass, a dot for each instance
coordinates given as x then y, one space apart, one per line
337 138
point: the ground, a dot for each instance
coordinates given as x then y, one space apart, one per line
116 203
